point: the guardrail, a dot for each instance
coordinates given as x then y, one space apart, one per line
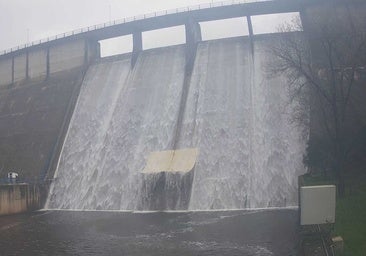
131 19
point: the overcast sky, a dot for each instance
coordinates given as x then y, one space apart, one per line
23 21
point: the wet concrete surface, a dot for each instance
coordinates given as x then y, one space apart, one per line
262 232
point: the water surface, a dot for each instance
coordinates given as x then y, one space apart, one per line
261 232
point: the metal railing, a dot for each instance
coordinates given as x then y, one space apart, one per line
131 19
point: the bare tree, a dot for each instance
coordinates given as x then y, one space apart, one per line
325 68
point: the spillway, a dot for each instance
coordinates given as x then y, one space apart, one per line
249 153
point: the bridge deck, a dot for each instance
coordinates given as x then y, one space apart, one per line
164 19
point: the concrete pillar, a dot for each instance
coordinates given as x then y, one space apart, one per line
137 46
91 51
137 41
193 37
48 63
12 69
27 66
193 32
86 53
97 50
250 26
251 34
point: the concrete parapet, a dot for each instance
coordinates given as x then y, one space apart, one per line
18 198
67 56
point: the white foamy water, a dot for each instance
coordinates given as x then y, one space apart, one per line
102 158
249 154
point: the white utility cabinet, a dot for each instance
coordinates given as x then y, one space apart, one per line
317 204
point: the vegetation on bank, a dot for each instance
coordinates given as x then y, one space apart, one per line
350 211
325 67
350 216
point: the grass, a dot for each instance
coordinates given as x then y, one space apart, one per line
350 211
351 216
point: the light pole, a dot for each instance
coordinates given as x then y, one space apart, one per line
110 12
27 35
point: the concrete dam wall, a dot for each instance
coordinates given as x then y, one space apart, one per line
31 117
237 118
38 89
214 99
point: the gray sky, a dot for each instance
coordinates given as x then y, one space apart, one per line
23 21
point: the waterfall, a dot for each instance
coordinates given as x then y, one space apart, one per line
249 153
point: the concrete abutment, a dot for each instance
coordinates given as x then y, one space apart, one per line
20 198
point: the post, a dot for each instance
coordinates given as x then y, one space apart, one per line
137 46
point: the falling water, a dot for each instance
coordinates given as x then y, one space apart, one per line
249 154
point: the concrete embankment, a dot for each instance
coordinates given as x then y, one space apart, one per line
18 198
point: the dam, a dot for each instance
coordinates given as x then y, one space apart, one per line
82 130
210 96
249 153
